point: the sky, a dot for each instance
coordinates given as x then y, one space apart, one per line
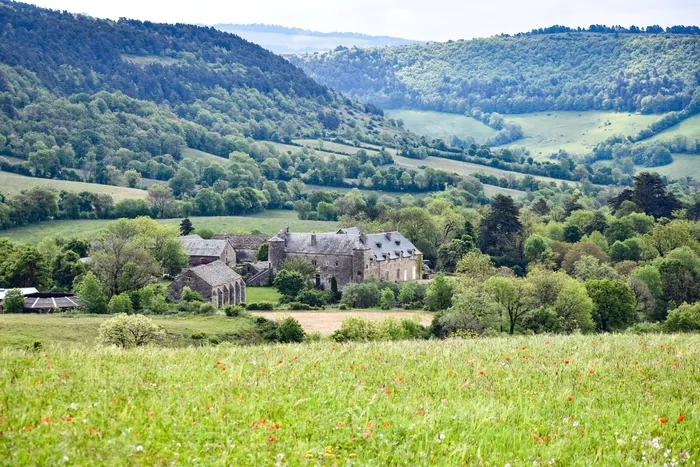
437 20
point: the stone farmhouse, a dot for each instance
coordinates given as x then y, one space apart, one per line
215 282
203 251
348 256
245 245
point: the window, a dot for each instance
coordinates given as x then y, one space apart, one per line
313 262
336 264
397 274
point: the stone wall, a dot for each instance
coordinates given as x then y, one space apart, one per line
397 270
328 267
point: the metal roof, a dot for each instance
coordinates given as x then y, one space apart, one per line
24 290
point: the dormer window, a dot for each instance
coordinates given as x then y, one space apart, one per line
398 242
379 244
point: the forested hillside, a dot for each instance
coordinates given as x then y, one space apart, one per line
101 85
649 73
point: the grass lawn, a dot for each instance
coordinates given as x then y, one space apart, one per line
262 294
268 222
11 184
443 125
576 400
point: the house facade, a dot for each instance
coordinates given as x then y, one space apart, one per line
246 246
202 251
216 282
348 256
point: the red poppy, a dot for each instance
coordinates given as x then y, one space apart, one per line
387 391
367 435
271 439
420 413
151 413
680 418
218 363
45 421
569 398
663 419
280 362
386 424
210 406
566 362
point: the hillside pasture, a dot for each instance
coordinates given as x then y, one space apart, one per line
690 128
557 400
683 165
442 125
268 222
197 154
12 184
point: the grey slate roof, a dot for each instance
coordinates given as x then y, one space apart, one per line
243 242
215 273
391 245
325 243
383 246
199 247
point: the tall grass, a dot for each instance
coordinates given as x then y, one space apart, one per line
606 400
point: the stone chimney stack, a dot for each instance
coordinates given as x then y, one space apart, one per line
313 239
388 235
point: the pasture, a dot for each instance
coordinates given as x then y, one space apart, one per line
12 184
443 125
690 128
268 222
576 400
683 165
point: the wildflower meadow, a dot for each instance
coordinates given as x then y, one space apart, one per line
580 400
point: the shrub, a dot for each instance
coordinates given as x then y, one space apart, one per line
646 328
312 297
290 283
289 330
206 309
439 294
313 337
266 328
233 311
298 306
189 295
120 304
343 306
91 294
260 306
386 302
357 329
361 295
14 301
128 331
393 329
685 318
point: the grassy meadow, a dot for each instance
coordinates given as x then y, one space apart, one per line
689 128
12 184
683 165
442 125
577 400
268 222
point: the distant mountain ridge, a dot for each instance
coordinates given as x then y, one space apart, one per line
277 38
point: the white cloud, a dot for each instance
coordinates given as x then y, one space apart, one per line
413 19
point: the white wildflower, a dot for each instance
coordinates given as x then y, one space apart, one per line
507 465
73 406
576 423
139 448
656 444
65 458
620 441
441 436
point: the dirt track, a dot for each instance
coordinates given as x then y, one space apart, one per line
326 322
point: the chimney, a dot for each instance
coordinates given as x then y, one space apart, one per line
313 239
388 235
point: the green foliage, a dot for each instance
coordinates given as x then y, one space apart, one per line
439 294
537 249
363 330
90 293
313 298
129 331
189 295
206 309
263 252
260 306
386 302
14 301
361 295
290 283
613 305
685 318
120 304
289 330
304 268
233 311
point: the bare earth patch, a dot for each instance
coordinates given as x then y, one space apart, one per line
327 322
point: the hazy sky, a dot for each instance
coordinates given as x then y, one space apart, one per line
411 19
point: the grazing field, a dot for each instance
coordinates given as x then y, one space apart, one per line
11 184
261 294
575 132
443 125
580 400
683 165
690 128
268 222
197 154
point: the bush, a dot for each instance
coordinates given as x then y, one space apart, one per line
646 328
120 304
386 302
260 306
266 328
206 309
290 283
14 301
91 294
189 295
311 297
362 295
343 306
289 330
233 311
298 306
685 318
357 329
128 331
392 329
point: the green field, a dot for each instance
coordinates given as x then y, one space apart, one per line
262 294
545 132
197 154
690 128
268 222
443 125
11 184
683 165
581 400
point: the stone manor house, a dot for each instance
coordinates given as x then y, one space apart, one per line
340 258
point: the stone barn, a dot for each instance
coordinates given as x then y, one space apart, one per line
215 282
203 251
348 256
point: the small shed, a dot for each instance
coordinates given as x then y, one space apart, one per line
47 302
